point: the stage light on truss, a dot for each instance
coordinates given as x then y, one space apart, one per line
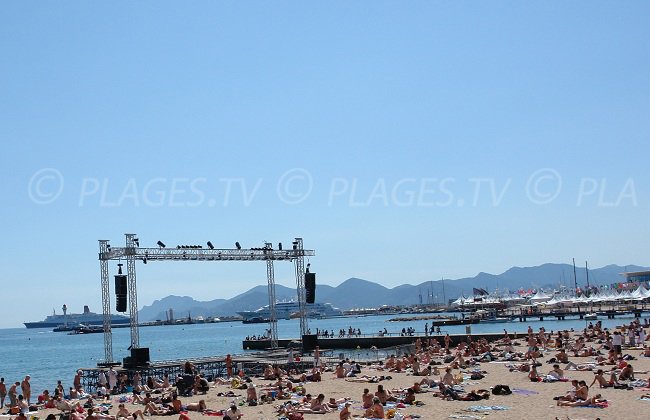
237 245
280 246
136 241
160 244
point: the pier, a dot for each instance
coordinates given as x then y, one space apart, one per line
370 341
254 363
561 315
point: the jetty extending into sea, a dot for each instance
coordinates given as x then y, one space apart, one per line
254 363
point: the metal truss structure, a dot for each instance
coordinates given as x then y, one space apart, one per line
132 252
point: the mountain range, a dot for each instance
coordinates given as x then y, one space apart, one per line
359 293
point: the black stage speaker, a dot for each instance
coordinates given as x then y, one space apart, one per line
120 284
120 293
309 342
140 357
310 287
120 303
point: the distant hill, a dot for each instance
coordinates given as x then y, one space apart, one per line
359 293
182 306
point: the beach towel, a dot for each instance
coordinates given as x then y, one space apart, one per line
639 383
525 392
478 408
603 404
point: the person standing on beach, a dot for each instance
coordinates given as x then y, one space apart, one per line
112 378
316 357
59 389
617 342
27 389
102 381
12 394
3 392
229 365
76 382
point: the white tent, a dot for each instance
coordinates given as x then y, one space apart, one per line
540 297
640 293
460 301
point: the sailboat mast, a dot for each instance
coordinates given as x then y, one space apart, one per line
444 298
575 277
587 271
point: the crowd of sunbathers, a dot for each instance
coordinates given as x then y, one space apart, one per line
603 350
438 368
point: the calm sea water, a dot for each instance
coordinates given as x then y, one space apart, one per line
48 356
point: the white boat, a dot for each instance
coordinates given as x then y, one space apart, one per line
591 317
283 310
494 320
73 320
489 317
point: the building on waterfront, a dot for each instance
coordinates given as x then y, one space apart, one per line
637 277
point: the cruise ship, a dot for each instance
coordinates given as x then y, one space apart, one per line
285 310
85 318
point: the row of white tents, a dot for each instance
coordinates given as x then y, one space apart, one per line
488 300
547 299
603 296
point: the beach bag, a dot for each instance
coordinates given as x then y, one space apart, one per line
476 376
295 416
501 390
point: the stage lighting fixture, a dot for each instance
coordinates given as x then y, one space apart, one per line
160 244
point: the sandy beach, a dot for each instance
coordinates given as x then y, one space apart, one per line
529 400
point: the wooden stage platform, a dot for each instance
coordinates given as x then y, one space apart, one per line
367 342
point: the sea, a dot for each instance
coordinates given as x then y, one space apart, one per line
49 356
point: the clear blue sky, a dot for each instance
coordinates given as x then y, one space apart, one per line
403 141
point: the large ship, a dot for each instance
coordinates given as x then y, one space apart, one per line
86 318
285 310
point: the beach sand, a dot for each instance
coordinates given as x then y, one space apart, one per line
538 404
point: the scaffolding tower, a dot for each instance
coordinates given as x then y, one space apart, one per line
132 252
